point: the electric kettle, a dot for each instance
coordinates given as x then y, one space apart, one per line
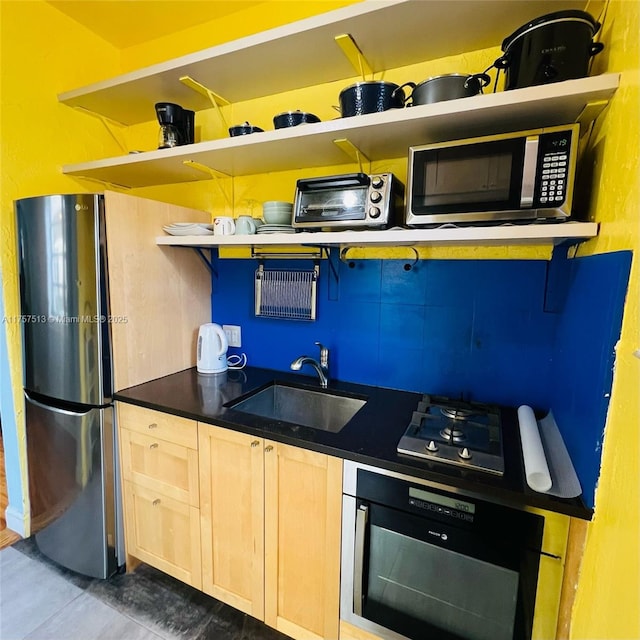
212 349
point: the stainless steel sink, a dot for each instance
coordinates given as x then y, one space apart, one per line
323 410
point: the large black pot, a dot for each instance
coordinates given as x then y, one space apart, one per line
552 48
446 87
369 97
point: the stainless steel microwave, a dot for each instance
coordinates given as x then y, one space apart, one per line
522 176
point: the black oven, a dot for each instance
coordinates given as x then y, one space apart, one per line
421 562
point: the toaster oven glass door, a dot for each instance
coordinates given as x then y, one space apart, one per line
332 205
476 177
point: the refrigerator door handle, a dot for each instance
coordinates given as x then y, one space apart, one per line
48 407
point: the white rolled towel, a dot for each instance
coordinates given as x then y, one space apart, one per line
535 462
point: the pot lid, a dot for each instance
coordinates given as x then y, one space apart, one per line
572 15
295 113
465 76
364 83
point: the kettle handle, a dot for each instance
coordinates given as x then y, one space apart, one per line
224 343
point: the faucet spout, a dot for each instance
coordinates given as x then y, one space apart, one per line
322 367
297 364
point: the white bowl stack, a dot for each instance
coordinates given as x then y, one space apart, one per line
276 212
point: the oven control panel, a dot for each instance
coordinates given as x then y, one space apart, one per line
441 504
443 511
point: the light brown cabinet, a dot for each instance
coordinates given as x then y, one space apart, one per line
271 516
159 462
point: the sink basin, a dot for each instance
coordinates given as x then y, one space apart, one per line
324 410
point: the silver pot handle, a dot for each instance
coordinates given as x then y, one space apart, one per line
362 517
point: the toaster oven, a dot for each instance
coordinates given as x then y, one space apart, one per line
349 201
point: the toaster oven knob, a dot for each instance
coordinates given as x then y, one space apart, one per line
432 446
377 182
374 212
376 196
464 453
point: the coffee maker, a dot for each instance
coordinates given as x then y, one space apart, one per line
176 125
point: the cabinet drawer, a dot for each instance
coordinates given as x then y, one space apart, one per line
160 466
163 532
158 425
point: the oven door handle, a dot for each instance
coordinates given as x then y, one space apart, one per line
362 518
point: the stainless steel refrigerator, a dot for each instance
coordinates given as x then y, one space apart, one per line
70 422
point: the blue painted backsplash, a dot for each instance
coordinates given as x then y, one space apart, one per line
506 331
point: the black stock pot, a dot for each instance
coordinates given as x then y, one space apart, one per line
369 97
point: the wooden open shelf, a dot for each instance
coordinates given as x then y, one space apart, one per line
538 234
390 33
378 135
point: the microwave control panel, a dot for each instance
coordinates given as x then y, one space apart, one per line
553 168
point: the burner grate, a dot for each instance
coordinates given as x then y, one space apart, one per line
455 432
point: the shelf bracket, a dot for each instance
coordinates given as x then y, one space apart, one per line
352 51
216 100
108 124
215 176
352 151
590 112
207 261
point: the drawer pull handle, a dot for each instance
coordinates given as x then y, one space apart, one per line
255 443
153 446
156 502
153 425
268 448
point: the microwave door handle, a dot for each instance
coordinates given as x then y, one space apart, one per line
529 171
362 517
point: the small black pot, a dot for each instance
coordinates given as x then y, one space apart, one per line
293 119
446 87
552 48
244 129
369 97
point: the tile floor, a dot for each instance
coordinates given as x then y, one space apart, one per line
41 601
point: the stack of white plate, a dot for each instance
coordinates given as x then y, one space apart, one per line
189 229
275 228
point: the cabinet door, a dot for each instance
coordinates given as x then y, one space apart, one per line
303 502
232 518
161 466
163 532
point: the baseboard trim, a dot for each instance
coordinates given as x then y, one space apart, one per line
17 520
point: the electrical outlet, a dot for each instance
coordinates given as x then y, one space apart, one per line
234 335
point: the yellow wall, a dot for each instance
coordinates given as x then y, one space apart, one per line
38 135
42 54
608 594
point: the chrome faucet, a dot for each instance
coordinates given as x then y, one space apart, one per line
322 367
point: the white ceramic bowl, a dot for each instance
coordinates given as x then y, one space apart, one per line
278 204
277 217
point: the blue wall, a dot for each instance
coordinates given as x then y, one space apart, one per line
504 331
584 356
15 514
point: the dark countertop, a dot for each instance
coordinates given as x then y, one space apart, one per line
369 438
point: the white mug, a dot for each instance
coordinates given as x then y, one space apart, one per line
245 225
224 226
